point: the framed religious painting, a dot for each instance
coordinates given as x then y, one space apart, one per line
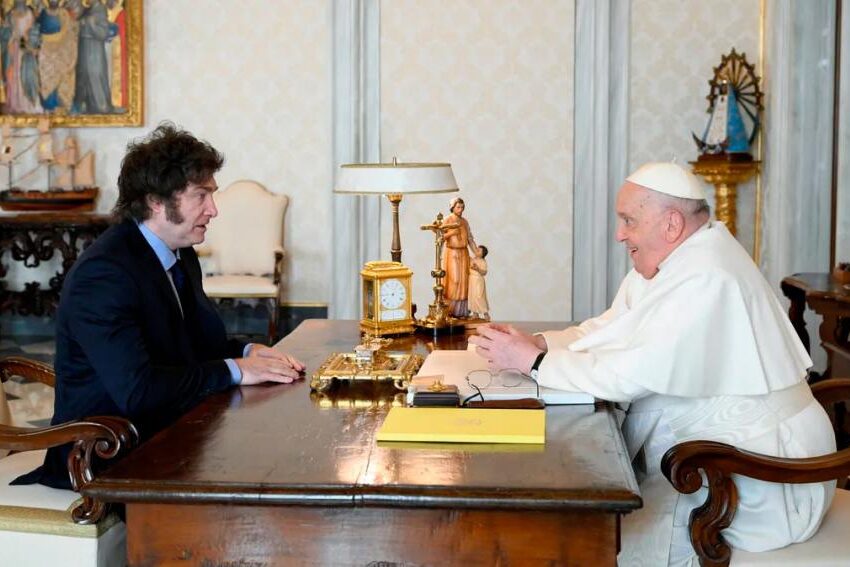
74 62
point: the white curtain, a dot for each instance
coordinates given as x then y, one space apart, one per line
842 204
356 139
798 83
601 150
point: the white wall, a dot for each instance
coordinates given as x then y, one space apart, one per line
487 86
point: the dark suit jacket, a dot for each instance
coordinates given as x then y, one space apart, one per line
123 347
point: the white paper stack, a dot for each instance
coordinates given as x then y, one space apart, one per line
456 365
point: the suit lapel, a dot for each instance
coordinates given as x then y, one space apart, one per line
152 268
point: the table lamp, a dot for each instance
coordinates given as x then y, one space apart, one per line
395 180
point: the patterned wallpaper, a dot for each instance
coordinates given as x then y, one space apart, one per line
675 46
487 86
252 78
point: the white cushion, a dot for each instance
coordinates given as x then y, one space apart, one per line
239 286
248 229
34 495
41 550
829 547
36 526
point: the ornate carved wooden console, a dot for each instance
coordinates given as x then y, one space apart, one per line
33 238
830 300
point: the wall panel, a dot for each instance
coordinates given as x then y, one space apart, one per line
487 86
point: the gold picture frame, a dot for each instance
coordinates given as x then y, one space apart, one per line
65 106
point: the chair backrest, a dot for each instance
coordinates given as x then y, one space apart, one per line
248 229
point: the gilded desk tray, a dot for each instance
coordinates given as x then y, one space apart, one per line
398 368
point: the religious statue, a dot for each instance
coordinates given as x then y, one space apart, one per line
725 159
734 107
478 306
455 261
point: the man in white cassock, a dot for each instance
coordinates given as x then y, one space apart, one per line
698 343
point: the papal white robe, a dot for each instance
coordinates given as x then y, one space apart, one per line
703 350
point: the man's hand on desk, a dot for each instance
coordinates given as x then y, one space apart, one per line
264 364
505 347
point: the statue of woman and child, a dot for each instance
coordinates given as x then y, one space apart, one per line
464 288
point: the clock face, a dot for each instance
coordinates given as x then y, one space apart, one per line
393 294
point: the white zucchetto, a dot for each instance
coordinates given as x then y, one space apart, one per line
668 178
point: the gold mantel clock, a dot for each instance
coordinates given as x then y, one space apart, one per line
386 299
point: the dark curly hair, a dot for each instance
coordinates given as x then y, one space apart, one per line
161 166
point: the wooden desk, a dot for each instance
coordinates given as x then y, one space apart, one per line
272 475
831 301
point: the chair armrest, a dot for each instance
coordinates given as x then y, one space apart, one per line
832 391
103 436
719 461
30 369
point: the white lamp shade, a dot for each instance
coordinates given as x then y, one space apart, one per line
384 178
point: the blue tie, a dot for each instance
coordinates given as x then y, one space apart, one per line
178 275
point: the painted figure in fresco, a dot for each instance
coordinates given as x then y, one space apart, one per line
59 30
5 33
116 53
458 244
21 61
478 306
92 93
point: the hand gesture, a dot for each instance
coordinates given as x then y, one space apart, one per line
264 364
505 347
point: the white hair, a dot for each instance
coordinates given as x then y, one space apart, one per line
688 207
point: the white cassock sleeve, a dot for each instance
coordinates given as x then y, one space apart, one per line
563 339
563 369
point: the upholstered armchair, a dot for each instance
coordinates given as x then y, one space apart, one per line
684 463
48 526
243 248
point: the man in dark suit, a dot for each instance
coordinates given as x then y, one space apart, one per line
135 334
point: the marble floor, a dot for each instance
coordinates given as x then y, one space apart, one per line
31 403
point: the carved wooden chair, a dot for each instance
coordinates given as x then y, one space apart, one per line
47 526
244 247
718 461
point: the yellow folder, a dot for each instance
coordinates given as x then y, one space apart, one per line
463 425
